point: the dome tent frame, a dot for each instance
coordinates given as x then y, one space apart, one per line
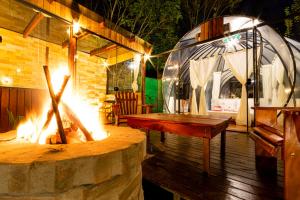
266 39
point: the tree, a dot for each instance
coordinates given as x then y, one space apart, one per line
160 22
292 20
155 21
197 11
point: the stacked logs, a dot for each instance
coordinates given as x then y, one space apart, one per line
64 135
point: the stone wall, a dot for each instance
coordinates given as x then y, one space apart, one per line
91 77
21 61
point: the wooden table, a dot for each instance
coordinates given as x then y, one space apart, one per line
205 127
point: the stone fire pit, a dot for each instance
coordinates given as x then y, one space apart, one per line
109 169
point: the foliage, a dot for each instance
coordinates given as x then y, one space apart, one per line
160 22
198 11
155 21
292 21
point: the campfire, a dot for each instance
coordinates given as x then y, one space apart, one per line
66 119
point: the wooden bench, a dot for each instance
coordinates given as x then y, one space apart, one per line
268 135
292 154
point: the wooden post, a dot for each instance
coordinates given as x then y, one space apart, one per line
47 56
71 57
143 76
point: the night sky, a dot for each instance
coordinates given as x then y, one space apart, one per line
271 11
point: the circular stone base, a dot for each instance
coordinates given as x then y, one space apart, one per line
106 169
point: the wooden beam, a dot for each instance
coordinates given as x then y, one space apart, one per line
102 24
80 37
65 44
103 49
32 24
143 76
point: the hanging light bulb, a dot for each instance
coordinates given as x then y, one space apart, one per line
76 27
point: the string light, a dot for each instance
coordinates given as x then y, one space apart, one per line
76 27
105 64
146 57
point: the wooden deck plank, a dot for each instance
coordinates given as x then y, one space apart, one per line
178 167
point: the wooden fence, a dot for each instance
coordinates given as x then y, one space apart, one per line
21 102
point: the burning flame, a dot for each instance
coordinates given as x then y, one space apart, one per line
31 130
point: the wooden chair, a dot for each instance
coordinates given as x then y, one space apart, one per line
127 104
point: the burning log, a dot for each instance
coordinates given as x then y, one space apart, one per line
72 137
57 98
72 116
55 106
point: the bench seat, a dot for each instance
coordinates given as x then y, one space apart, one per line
270 136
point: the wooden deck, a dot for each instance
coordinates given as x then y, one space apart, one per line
177 168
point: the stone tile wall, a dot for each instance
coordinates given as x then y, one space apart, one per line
21 61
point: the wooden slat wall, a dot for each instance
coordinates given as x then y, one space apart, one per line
211 29
20 102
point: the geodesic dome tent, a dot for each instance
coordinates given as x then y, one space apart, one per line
250 64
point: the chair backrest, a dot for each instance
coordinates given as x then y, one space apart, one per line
128 102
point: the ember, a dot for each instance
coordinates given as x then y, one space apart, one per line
76 121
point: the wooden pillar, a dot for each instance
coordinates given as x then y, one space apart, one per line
143 76
71 57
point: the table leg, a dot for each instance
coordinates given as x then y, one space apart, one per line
149 146
162 137
206 155
223 143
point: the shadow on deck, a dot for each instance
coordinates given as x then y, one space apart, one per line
177 168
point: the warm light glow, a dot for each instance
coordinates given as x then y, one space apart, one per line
131 65
18 70
31 130
287 90
105 64
174 67
136 62
137 58
237 23
147 57
6 80
76 27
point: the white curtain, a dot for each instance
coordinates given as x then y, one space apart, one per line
136 68
237 63
216 85
267 87
201 70
279 74
274 86
194 83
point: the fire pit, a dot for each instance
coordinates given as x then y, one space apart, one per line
106 169
67 153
